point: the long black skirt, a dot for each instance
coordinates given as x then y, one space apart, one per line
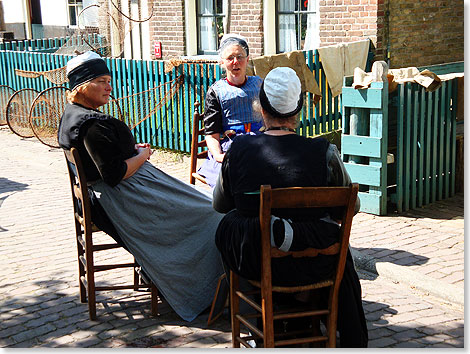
238 240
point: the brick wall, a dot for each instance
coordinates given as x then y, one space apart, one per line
247 19
425 32
343 21
167 27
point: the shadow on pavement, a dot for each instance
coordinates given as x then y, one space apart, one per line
446 209
7 185
49 314
394 256
384 333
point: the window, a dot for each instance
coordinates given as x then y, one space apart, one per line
74 7
210 25
297 22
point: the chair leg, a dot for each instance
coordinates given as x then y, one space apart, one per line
81 267
332 319
234 309
268 320
90 277
154 300
136 276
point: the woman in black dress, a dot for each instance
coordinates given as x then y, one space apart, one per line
281 158
166 224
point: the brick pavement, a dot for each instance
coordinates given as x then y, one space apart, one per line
39 299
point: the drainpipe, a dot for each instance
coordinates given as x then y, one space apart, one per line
2 18
27 19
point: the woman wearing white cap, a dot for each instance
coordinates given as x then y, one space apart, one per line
166 224
281 158
228 106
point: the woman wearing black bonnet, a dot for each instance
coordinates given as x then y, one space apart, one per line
166 224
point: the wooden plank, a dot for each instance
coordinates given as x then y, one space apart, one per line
323 101
125 92
447 68
361 145
181 116
370 203
427 166
330 109
369 98
174 114
187 108
163 78
364 174
421 142
310 97
407 141
14 78
414 146
379 129
144 112
152 102
400 146
317 106
158 97
435 120
453 141
448 132
441 121
4 71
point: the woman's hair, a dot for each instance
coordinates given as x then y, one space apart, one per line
231 39
270 120
78 94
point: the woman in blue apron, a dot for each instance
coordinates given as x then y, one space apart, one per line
228 106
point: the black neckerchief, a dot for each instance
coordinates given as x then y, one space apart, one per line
280 128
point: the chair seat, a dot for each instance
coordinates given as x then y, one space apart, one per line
296 289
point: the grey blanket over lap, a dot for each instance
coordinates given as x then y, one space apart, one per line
169 227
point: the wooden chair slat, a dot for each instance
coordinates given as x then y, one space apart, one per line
295 197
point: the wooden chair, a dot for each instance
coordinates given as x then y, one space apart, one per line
296 197
84 229
198 141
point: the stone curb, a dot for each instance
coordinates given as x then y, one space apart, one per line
422 282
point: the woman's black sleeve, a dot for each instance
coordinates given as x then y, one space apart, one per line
222 200
212 113
102 143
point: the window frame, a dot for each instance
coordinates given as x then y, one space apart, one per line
298 16
216 16
75 4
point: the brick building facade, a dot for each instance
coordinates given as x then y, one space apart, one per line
425 32
405 32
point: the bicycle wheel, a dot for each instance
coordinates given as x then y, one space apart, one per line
17 112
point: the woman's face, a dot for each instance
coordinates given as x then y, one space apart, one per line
97 91
235 60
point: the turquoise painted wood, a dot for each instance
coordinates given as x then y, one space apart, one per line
421 136
170 125
364 142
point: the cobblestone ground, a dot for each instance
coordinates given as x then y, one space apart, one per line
40 306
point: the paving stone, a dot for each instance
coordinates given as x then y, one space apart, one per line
34 292
33 333
382 342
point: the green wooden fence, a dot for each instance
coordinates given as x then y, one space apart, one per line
414 127
139 86
50 45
